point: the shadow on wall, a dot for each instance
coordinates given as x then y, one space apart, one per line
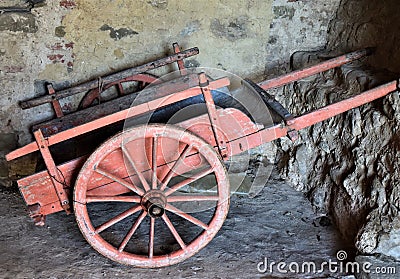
366 23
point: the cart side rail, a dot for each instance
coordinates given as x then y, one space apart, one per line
142 108
152 92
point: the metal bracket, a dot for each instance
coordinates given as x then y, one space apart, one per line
277 107
213 115
53 171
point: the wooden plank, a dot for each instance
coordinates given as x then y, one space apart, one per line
122 103
38 188
110 78
234 124
52 169
115 117
306 120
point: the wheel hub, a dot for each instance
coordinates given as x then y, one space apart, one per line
154 202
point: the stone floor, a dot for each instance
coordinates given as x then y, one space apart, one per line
277 225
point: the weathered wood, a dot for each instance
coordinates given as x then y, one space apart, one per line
321 114
110 78
308 119
122 103
38 188
120 115
319 68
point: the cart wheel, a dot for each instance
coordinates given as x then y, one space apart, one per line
139 199
93 95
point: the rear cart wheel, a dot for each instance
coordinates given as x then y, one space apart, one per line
139 198
124 86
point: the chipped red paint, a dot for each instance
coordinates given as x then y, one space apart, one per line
69 45
111 78
94 94
38 188
55 57
99 164
56 46
13 69
319 68
91 122
55 176
56 104
148 155
61 46
69 4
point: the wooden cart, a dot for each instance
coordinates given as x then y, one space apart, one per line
131 195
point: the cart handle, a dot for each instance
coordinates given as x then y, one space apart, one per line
310 118
319 68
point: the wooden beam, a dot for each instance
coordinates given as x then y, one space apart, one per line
117 116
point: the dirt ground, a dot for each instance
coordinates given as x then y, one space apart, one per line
279 224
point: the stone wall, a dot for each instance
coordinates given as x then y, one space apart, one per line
349 165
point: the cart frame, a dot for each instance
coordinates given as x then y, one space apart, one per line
50 191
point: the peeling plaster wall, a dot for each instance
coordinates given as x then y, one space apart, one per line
69 41
297 26
134 31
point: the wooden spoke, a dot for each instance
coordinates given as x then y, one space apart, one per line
90 199
183 183
120 181
173 231
118 218
173 169
154 162
124 235
121 90
186 216
192 198
138 173
131 231
151 237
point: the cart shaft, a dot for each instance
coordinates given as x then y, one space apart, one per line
310 118
319 68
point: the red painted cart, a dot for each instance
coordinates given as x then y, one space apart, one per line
134 197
